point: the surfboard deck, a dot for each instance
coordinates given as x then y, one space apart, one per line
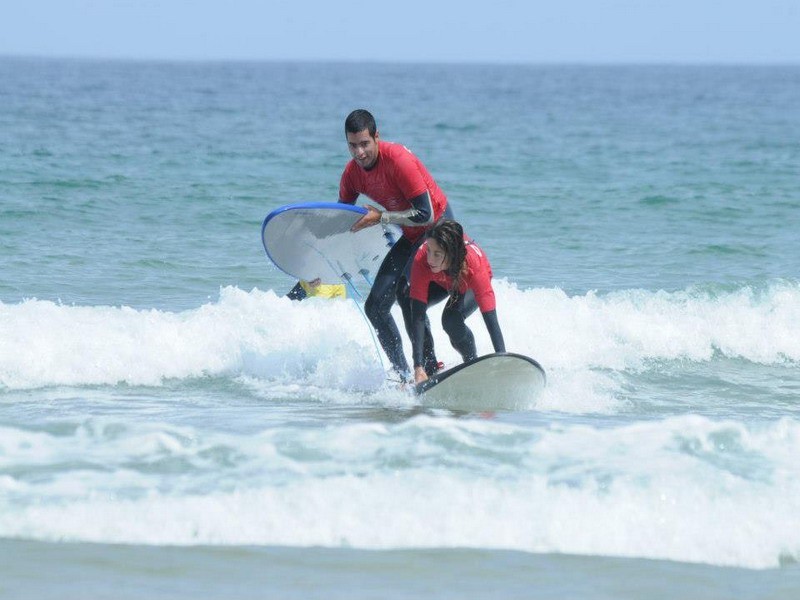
499 381
312 240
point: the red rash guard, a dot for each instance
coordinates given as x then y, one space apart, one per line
478 277
397 177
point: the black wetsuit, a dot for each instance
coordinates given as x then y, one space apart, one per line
453 316
391 283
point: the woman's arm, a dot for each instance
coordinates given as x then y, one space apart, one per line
490 318
418 311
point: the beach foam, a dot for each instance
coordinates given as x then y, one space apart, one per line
328 344
685 488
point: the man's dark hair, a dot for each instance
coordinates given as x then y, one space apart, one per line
359 120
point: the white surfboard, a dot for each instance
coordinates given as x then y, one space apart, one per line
312 240
500 381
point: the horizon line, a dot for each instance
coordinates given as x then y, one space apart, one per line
409 62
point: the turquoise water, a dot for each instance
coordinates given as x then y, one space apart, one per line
162 405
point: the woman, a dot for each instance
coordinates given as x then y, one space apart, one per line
450 265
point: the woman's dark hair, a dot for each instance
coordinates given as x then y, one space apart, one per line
359 120
450 237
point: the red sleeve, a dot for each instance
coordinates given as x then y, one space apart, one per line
408 177
347 192
484 293
420 275
481 282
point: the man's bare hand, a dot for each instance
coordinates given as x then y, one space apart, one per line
373 217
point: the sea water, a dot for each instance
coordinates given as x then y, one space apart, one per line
172 426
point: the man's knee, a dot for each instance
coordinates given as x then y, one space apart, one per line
402 291
372 309
377 307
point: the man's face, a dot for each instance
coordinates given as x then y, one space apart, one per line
363 148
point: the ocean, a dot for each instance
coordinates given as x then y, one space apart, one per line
171 426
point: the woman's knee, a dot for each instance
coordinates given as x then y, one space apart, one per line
453 323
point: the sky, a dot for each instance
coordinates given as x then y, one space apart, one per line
470 31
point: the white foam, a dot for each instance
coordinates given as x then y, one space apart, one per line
621 329
47 344
259 335
686 488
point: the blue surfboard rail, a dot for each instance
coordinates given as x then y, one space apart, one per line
322 205
302 205
310 240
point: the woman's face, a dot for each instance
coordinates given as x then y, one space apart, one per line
437 257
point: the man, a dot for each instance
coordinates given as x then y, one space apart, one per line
390 175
